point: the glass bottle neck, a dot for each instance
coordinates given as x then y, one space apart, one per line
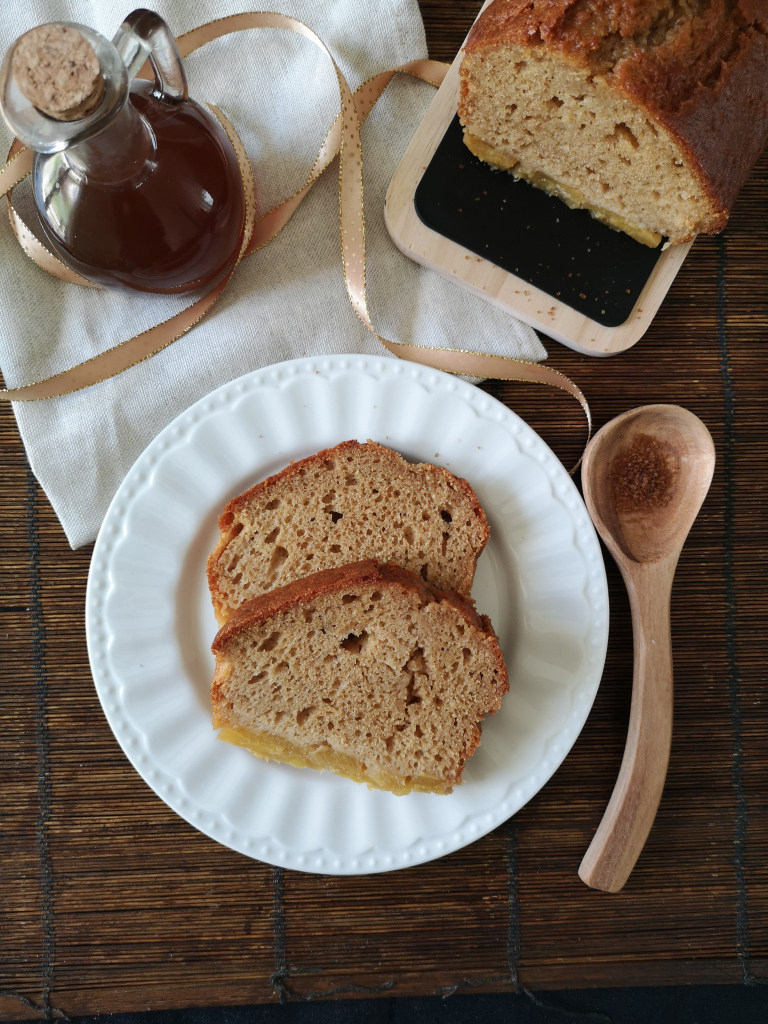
120 156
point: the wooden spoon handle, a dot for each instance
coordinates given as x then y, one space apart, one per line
632 808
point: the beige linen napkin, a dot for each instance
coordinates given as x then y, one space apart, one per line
285 301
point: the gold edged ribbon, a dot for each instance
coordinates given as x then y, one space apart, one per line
343 139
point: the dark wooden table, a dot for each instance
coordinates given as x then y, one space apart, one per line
110 902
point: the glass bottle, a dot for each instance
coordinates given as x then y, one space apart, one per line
137 186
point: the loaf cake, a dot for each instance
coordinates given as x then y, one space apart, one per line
347 503
365 670
650 115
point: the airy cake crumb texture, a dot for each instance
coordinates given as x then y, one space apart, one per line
347 503
542 116
365 670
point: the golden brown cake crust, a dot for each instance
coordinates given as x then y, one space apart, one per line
699 68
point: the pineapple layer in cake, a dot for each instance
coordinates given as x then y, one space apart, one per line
364 670
648 115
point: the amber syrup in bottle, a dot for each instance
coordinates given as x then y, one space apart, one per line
136 185
142 236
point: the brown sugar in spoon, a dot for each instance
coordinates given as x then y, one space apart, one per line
645 475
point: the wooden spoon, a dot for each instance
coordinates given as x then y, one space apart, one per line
645 476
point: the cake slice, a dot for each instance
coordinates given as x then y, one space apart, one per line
365 670
347 503
648 115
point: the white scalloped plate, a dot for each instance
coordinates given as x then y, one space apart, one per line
149 622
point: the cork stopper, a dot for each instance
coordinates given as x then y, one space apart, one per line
56 68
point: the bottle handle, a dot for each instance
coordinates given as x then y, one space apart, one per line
144 34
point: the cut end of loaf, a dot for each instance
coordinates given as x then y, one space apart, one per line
57 70
364 670
558 124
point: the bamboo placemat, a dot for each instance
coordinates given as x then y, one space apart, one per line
112 903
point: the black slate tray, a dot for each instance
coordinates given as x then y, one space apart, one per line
566 253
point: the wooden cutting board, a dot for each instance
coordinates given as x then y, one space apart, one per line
559 270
